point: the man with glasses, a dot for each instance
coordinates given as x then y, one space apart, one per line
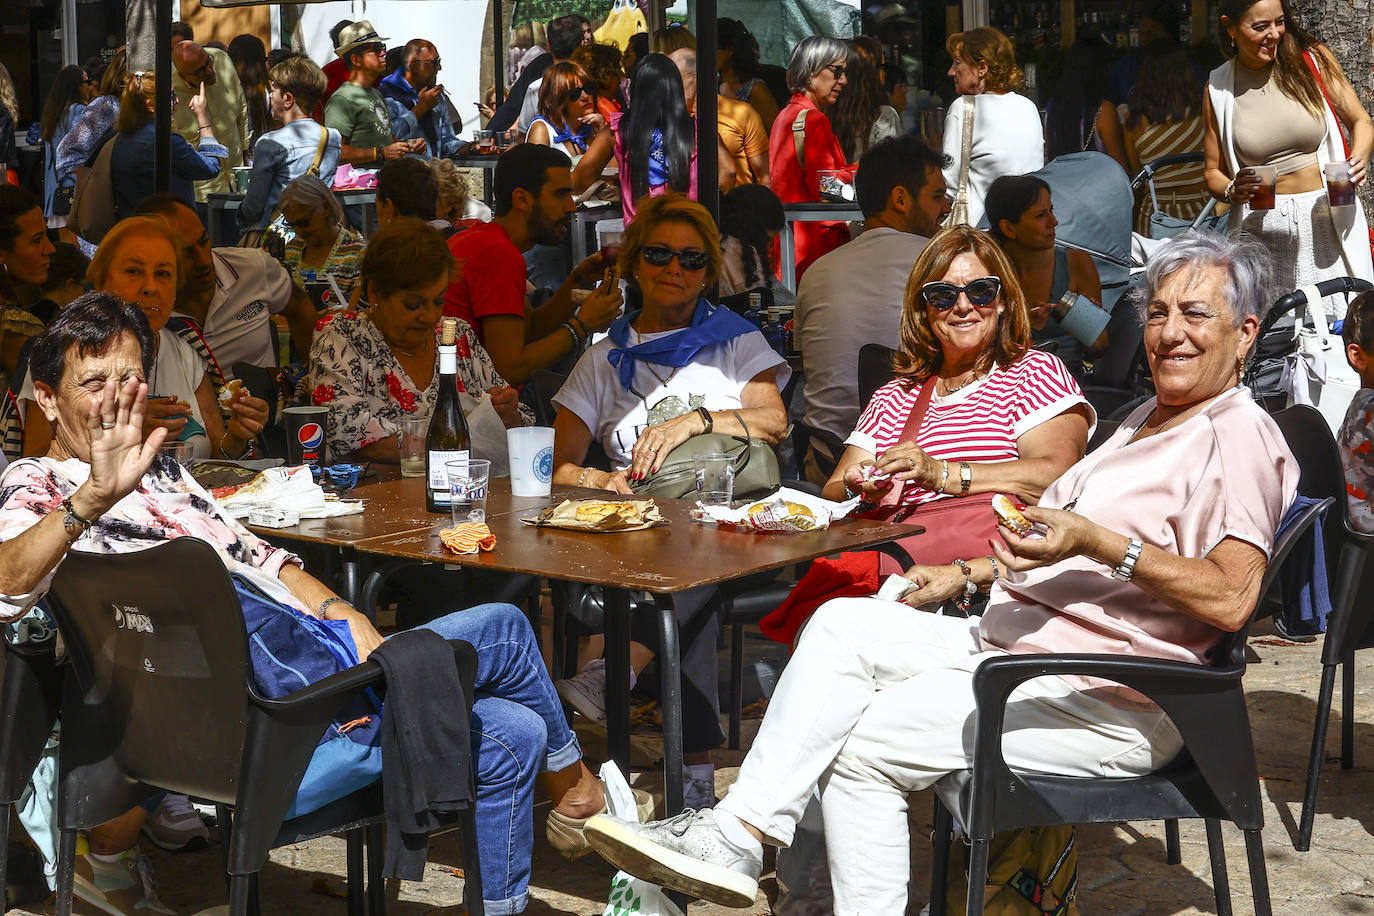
416 102
224 104
357 110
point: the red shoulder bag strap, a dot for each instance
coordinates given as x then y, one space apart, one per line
1340 128
918 411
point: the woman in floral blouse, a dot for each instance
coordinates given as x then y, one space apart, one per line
373 368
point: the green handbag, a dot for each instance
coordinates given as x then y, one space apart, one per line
754 461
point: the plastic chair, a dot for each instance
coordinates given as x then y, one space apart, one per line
1117 375
160 696
1349 627
875 370
1214 777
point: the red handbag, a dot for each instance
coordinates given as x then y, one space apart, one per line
957 528
1340 128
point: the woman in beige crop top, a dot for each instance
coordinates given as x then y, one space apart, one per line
1280 115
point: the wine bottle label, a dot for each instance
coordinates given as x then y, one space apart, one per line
448 360
438 474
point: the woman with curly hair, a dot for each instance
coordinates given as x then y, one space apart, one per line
1007 138
751 218
605 65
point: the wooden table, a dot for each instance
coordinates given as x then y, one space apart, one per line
662 561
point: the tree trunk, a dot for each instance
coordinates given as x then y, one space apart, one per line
1345 27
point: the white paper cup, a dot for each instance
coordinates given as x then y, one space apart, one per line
531 460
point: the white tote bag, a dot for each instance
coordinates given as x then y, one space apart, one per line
1316 372
630 895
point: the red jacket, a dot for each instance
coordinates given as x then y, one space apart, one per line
794 183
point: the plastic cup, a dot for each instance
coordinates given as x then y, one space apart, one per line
467 487
1340 190
1263 196
531 460
715 478
177 451
412 444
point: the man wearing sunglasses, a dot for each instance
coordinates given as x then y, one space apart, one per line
533 190
224 104
357 110
416 102
853 295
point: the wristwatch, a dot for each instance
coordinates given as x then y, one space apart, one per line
965 478
1127 567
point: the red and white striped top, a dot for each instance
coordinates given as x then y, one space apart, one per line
979 423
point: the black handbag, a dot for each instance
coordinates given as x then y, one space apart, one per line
754 462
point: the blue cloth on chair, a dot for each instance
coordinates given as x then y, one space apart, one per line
1305 591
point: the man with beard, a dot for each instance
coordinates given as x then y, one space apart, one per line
534 201
853 295
416 102
232 293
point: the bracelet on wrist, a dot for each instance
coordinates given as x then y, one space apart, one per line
75 525
577 338
582 478
1229 195
996 573
328 602
962 602
582 326
944 475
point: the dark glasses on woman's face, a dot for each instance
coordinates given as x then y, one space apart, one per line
659 256
837 69
573 93
942 296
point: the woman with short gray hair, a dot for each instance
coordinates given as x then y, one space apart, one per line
802 144
1153 546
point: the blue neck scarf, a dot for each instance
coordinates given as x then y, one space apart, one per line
579 138
710 325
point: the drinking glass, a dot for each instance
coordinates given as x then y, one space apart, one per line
715 478
412 442
467 484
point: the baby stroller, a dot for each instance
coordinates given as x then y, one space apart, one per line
1093 201
1165 225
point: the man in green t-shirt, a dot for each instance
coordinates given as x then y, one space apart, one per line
356 109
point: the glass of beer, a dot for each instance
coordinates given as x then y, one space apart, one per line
1263 196
486 141
1340 190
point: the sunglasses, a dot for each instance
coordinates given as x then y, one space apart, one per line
658 256
573 93
438 62
837 69
942 296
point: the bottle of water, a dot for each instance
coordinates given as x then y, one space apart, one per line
773 332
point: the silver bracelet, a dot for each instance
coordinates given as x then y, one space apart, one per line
577 338
327 602
1127 567
583 478
996 574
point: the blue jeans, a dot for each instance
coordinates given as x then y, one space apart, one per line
518 731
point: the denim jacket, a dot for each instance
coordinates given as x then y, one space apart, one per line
434 127
279 157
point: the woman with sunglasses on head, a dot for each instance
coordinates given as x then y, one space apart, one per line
678 368
817 75
568 118
323 242
998 416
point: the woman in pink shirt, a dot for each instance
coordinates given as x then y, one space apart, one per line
1154 545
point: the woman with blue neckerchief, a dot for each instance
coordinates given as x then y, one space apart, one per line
678 368
567 118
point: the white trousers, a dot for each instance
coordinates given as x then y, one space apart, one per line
877 702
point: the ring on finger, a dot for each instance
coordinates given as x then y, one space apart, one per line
109 425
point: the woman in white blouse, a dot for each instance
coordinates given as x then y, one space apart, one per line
1007 135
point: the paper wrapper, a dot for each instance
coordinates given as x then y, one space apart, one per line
787 511
287 488
600 515
469 537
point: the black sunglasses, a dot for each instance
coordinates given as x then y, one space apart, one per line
573 93
837 69
658 256
942 296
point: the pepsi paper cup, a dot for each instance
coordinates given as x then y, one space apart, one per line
306 429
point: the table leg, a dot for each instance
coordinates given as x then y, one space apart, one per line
352 576
670 678
787 253
579 239
617 625
489 186
372 585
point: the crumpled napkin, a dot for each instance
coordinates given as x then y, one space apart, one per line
288 488
787 511
468 537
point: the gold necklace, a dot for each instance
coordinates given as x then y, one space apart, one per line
950 389
650 366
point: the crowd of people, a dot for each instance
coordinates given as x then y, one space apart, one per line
1153 544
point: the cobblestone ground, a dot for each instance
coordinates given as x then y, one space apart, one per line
1122 866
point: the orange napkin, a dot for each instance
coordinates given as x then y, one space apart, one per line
468 537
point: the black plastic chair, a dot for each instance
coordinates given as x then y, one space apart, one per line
1118 375
1350 626
826 447
160 695
875 370
1214 777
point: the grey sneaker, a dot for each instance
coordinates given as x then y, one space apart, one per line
686 853
586 690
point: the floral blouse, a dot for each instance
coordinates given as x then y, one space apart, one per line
167 504
353 370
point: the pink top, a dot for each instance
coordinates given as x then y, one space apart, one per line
1225 472
167 504
627 205
980 422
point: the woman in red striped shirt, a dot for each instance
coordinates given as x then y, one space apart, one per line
973 410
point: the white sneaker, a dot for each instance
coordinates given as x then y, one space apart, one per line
687 853
124 887
586 690
176 825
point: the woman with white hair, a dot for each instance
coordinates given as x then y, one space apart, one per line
801 143
1154 545
324 243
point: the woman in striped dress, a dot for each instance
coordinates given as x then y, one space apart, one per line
1166 119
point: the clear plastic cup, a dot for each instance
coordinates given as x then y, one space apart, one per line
715 478
1340 190
176 450
467 486
1263 196
412 442
485 140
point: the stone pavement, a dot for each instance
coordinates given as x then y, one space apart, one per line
1122 869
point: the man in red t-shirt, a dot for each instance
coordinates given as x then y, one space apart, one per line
533 191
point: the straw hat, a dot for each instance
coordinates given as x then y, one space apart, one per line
358 34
